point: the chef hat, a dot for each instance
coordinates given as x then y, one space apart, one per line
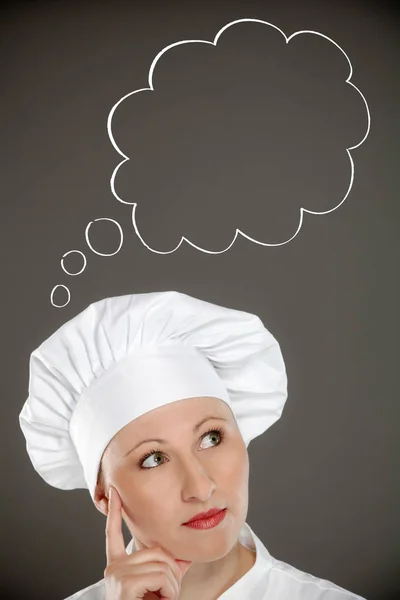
124 356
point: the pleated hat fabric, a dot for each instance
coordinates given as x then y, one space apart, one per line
124 356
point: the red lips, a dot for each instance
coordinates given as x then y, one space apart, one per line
205 515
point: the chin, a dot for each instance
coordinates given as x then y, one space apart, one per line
210 545
215 551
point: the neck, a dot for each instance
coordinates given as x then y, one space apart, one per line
208 581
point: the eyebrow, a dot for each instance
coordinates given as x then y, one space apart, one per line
161 441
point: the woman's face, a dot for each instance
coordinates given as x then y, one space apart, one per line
190 472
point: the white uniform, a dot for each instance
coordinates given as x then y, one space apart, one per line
268 579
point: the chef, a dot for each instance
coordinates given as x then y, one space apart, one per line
149 401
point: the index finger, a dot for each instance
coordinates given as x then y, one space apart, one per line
115 543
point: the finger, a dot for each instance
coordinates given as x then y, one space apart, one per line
157 555
159 582
115 543
154 569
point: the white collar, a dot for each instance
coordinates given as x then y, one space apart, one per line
252 584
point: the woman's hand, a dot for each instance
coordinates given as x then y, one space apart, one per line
144 574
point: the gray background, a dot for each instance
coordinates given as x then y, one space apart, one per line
209 155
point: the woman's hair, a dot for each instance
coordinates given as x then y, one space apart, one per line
100 478
100 475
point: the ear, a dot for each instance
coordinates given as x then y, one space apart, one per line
101 499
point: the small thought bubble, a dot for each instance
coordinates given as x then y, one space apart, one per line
78 272
84 258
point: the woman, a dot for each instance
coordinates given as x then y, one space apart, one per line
150 401
196 470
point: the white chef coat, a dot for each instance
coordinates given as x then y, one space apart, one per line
268 579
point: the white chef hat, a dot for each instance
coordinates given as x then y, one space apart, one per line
124 356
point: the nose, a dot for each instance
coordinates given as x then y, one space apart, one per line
197 483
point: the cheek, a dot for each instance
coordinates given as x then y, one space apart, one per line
148 497
233 470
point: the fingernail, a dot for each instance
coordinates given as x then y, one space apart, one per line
110 492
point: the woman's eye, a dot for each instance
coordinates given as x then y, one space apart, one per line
150 456
215 434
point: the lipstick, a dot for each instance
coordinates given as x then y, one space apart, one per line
208 522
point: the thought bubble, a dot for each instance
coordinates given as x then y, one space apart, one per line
262 105
220 94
